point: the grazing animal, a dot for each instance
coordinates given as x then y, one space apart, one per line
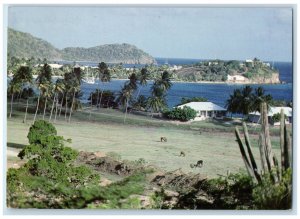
198 164
163 139
182 154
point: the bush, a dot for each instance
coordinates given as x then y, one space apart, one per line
40 129
183 114
276 117
268 195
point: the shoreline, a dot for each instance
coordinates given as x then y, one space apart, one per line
191 82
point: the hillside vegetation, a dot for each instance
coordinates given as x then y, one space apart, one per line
218 70
24 45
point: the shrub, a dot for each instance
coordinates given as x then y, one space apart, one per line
183 114
40 129
276 117
268 195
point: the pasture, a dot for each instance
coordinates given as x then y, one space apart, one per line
140 137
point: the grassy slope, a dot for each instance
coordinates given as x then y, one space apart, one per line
141 139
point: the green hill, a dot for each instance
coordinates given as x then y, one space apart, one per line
24 45
112 53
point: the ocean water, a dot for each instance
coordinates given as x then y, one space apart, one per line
216 93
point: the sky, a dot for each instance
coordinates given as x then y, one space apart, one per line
170 32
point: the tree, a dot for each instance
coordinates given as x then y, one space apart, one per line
43 82
13 88
143 77
124 96
57 88
183 114
103 75
156 104
260 97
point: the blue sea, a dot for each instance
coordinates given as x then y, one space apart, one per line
216 93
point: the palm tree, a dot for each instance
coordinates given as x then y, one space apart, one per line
58 87
143 77
164 82
156 104
43 82
234 102
42 88
103 75
13 88
75 89
23 76
247 100
124 96
260 97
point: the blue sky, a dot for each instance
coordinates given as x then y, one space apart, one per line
205 33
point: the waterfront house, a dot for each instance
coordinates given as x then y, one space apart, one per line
206 110
255 116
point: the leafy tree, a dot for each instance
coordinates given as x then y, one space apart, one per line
183 114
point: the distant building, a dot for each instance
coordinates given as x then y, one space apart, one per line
236 78
53 66
206 110
255 116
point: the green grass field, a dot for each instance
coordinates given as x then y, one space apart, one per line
140 138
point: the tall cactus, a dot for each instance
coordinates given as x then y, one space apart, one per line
269 162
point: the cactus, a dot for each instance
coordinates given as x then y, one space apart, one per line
269 162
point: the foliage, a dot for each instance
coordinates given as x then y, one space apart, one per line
274 182
107 100
268 195
183 114
49 173
276 117
246 100
39 130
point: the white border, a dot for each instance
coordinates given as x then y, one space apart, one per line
214 3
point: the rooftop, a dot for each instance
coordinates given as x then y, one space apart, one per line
274 110
203 106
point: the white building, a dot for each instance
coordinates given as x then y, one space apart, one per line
206 110
237 78
255 116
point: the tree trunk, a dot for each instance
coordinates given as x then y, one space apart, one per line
37 107
61 104
91 105
56 109
24 121
97 98
11 103
126 110
100 99
45 108
66 106
52 107
72 107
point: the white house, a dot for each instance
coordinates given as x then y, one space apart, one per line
255 116
206 110
237 79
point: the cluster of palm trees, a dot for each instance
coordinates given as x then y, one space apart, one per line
155 103
246 100
52 96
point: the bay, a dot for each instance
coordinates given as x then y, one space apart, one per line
217 93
